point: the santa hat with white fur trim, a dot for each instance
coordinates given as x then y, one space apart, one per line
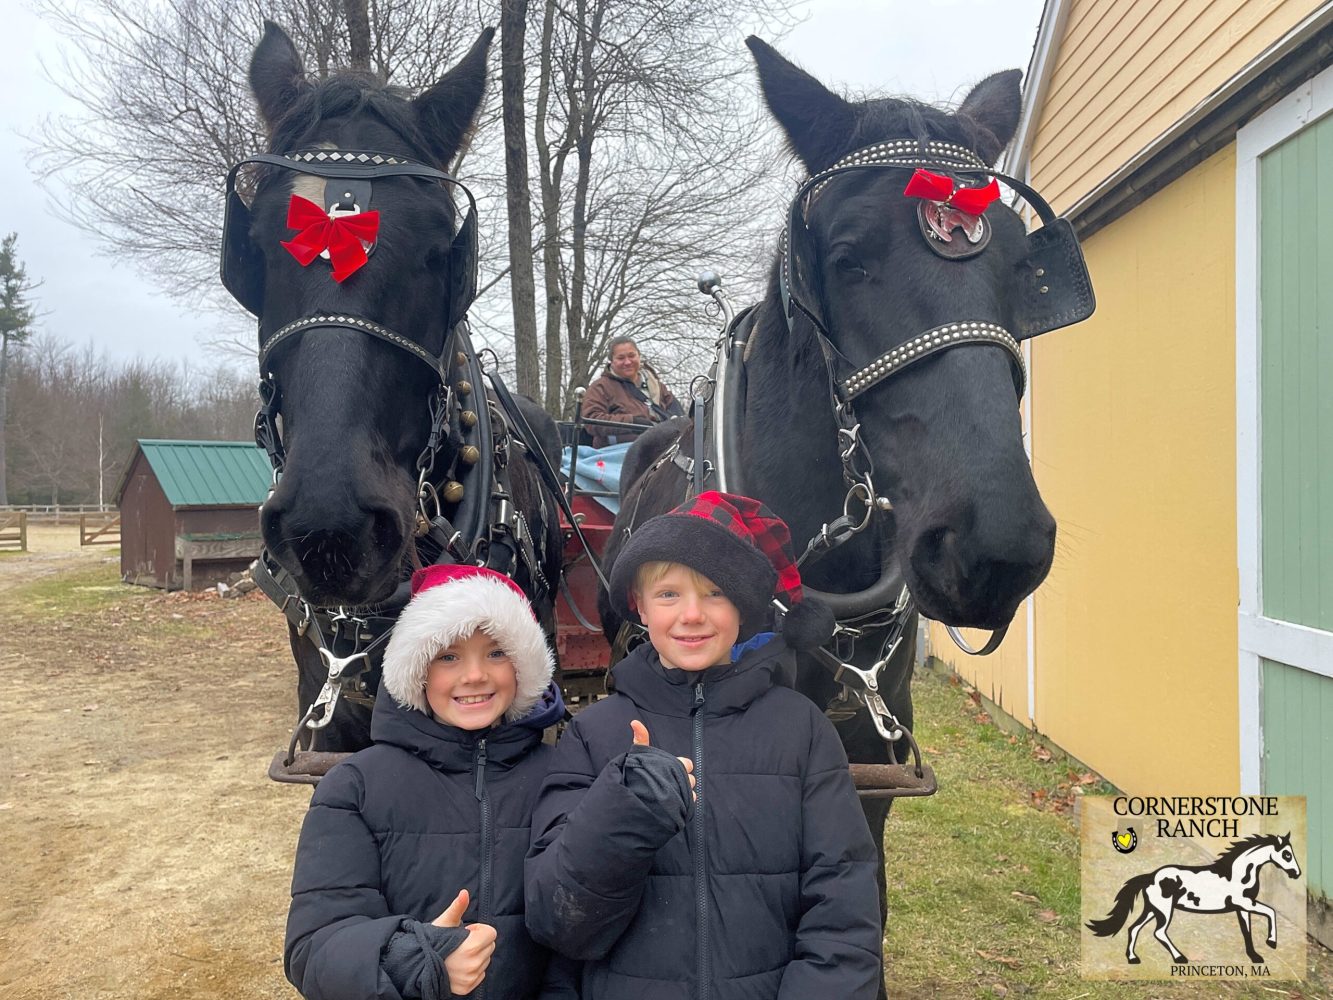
448 604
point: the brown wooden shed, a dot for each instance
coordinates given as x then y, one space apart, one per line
189 512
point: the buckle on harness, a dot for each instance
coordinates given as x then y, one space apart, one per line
333 685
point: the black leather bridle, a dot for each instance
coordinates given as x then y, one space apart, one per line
483 525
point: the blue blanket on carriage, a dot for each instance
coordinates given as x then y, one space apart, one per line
598 469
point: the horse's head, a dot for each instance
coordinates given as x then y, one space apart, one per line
973 535
354 408
1281 853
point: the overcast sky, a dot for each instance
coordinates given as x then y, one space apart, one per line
933 50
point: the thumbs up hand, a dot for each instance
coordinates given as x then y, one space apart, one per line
466 964
453 914
641 738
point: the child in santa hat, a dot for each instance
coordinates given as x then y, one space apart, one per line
698 836
408 879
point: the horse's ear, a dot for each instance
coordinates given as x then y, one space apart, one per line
448 110
276 74
817 121
994 105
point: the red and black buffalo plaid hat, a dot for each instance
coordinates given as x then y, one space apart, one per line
741 546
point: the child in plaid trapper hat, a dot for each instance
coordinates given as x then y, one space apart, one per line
699 830
738 544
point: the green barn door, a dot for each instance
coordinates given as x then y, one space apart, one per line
1296 474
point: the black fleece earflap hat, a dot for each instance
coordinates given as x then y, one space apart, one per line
741 546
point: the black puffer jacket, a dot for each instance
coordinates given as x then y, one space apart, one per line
391 836
768 891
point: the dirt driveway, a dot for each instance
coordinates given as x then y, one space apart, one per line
146 854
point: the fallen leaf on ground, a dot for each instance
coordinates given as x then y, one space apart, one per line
1042 754
1047 916
1026 897
1005 960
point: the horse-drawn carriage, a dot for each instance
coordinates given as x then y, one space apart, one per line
394 444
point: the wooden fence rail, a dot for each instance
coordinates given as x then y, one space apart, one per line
14 531
99 529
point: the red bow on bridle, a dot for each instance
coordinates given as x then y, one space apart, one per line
938 187
345 237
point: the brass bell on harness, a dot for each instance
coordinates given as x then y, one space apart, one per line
460 359
467 418
453 491
469 453
464 387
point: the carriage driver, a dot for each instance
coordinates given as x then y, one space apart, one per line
628 391
409 870
698 835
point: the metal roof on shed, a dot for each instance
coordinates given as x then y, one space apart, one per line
209 473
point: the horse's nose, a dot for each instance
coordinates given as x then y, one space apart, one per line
332 549
981 576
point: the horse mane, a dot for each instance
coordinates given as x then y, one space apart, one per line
344 95
1238 847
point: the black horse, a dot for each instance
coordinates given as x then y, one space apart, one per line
968 532
374 446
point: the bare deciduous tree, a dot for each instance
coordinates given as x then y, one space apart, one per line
167 110
60 396
651 157
518 196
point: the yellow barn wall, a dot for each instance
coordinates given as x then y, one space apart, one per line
1135 452
1134 438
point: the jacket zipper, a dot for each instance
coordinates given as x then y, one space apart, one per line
701 850
484 903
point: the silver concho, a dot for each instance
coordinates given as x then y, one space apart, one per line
952 234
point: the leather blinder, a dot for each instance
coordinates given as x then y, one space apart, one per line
1052 288
463 255
242 268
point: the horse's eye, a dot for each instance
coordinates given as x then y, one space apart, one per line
848 267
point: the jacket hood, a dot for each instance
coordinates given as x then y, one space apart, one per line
729 687
452 749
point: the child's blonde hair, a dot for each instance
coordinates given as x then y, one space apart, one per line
650 572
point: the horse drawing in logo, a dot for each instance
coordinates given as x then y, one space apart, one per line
1231 883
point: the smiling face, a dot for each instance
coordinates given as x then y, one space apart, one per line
690 622
472 683
625 361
